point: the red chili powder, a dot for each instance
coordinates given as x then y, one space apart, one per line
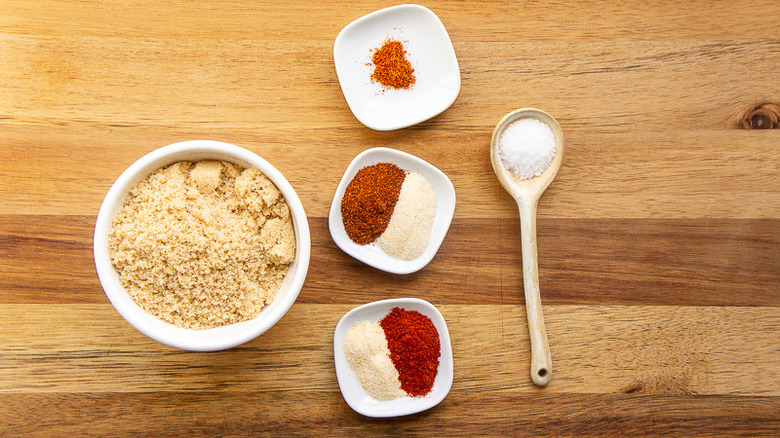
391 68
414 347
369 200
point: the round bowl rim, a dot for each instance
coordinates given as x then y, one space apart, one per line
219 338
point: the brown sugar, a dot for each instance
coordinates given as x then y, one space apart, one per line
203 244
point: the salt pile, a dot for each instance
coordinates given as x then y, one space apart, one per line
527 147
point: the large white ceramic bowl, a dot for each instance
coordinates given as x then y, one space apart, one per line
219 338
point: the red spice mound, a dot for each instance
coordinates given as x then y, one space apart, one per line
414 347
369 201
391 68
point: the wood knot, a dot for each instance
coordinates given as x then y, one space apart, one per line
630 389
763 116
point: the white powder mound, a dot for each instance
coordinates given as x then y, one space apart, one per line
527 147
365 348
409 229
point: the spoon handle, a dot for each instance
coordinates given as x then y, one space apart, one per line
541 364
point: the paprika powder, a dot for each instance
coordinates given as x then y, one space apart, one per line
369 200
391 68
414 347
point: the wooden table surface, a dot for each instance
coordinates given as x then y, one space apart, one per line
659 241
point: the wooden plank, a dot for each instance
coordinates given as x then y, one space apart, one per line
644 174
484 21
48 259
242 83
302 413
595 349
226 84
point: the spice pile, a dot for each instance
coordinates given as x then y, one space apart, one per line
397 356
527 147
203 244
369 200
391 68
385 204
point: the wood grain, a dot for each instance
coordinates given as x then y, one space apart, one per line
659 240
595 261
225 414
595 349
640 171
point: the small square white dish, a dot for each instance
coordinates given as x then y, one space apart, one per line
354 394
372 254
429 50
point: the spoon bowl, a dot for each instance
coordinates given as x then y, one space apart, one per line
532 188
526 192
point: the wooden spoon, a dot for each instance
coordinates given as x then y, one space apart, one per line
527 193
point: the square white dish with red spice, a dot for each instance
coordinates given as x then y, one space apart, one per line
413 235
382 102
429 385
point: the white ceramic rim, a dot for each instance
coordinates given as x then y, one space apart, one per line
374 256
388 124
210 339
351 389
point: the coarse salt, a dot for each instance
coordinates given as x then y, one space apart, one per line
527 147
